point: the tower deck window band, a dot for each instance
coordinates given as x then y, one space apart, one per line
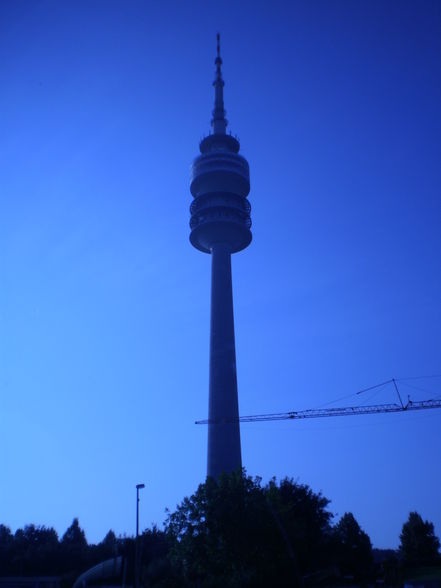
220 225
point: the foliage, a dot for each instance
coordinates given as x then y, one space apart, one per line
235 532
35 547
232 532
74 535
353 547
419 544
109 540
73 546
155 546
36 550
6 546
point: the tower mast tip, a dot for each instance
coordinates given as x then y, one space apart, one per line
218 122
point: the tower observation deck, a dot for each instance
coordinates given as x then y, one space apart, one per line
220 225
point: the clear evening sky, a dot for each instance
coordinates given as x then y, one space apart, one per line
104 304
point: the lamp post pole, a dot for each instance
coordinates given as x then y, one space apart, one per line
138 488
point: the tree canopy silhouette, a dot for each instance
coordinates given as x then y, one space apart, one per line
418 543
229 533
353 547
236 532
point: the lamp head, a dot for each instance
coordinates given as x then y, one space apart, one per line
139 486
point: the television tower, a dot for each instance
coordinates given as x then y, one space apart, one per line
220 225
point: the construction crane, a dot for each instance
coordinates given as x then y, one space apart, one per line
341 411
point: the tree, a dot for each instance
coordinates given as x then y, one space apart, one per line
418 543
353 547
110 543
303 521
74 547
154 548
35 550
74 535
6 544
234 532
109 547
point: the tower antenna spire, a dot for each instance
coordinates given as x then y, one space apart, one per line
219 122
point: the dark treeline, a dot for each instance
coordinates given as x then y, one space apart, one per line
38 551
236 532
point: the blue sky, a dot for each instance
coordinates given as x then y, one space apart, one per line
104 304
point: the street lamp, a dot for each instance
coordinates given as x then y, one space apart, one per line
138 488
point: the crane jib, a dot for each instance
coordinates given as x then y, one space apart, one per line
330 412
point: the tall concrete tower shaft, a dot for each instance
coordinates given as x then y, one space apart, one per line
220 225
